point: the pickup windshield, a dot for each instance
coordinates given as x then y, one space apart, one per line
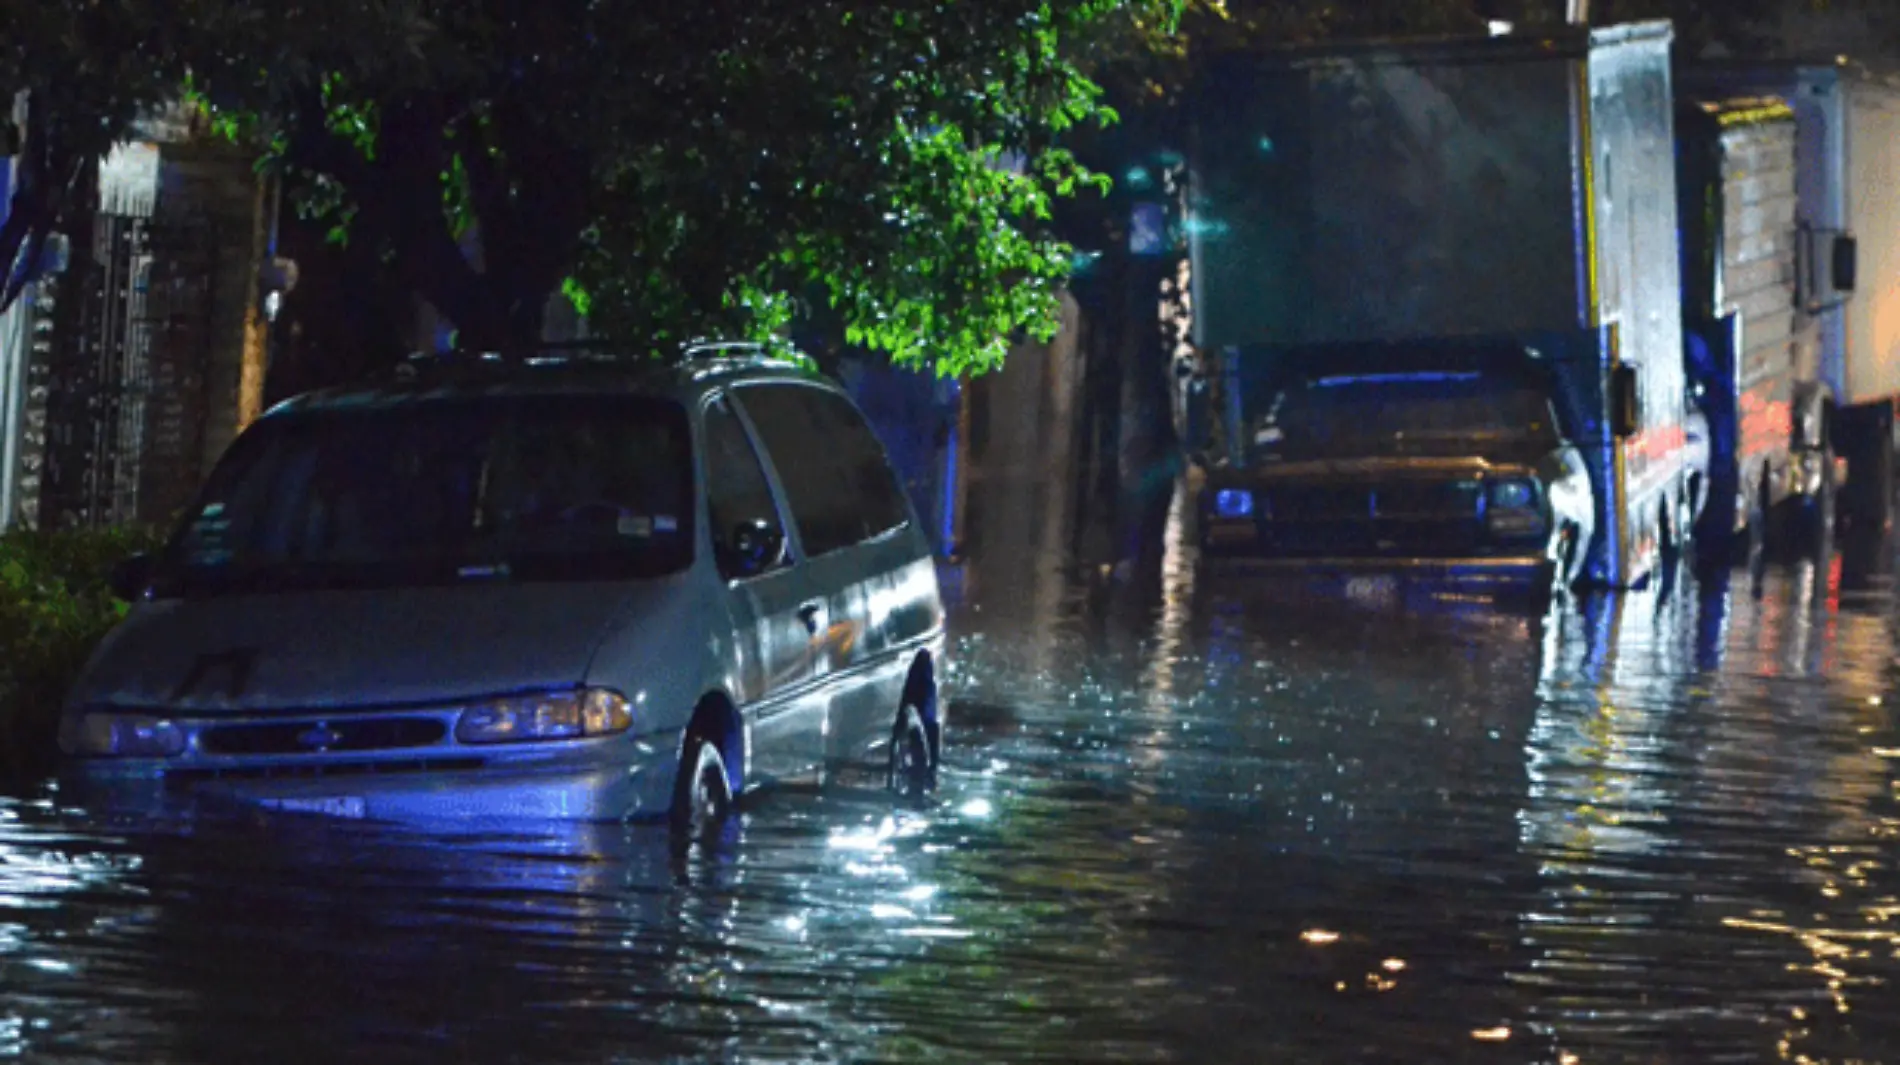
1372 415
439 491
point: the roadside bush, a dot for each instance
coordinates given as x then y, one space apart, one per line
55 606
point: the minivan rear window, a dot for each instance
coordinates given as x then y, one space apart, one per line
432 491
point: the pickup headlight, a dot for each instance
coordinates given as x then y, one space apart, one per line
104 734
1513 508
558 716
1513 495
1234 504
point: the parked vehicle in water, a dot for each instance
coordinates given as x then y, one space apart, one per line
1509 194
1843 259
1446 462
566 587
1752 355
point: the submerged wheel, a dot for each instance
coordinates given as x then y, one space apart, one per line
702 798
913 756
1812 517
1687 549
1668 554
1563 581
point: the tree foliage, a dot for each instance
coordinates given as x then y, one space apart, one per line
680 169
885 166
55 606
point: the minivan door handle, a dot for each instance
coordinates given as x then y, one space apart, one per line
812 614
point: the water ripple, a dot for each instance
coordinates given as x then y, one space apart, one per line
1180 823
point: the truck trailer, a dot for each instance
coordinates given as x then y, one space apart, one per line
1436 311
1752 352
1845 318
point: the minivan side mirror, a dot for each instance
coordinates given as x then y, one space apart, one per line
131 577
1846 263
1625 411
752 548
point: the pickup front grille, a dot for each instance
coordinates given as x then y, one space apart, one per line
1391 500
1408 518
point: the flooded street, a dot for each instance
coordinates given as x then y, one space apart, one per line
1182 821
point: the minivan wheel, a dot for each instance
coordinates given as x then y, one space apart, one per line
702 800
913 762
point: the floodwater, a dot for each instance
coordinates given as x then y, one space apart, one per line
1182 821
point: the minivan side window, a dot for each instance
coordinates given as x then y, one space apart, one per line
737 492
838 482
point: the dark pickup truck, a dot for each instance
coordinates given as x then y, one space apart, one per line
1445 462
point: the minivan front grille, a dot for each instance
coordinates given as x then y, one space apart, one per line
323 737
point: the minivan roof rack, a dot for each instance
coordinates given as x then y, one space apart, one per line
712 349
598 351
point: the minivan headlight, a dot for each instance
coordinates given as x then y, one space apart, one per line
104 734
556 716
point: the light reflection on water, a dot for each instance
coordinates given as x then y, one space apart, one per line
1184 821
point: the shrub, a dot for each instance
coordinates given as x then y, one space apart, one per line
55 606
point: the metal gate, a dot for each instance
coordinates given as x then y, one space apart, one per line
126 401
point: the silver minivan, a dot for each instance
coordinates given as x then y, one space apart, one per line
565 588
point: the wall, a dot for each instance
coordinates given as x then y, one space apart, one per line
12 371
915 414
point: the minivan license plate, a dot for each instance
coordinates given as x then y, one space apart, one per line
1381 590
349 806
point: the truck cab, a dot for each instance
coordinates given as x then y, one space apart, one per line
1444 460
1399 212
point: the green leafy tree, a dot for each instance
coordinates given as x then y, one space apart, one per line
676 169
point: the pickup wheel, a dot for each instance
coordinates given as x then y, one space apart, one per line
1563 580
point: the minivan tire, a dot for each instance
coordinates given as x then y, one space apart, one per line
913 758
702 794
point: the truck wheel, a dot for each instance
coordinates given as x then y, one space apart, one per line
1684 526
1756 540
1668 553
1864 437
1809 520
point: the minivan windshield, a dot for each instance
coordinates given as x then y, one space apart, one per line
431 491
1372 415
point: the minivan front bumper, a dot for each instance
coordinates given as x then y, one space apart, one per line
593 781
